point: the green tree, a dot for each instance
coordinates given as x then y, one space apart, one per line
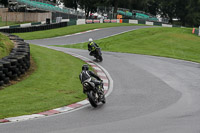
153 7
193 15
181 10
4 2
168 9
89 6
71 3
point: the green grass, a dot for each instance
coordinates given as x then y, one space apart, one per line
5 46
66 30
177 43
3 23
55 83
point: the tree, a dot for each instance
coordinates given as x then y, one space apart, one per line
187 11
89 6
4 2
181 10
168 9
71 3
193 15
153 7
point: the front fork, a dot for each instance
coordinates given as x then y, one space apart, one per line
100 90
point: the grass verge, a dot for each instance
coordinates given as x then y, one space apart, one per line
176 43
5 46
66 30
55 83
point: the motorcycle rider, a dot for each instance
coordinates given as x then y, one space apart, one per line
86 74
92 47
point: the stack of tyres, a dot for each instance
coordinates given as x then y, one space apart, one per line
16 63
6 74
2 75
11 72
14 37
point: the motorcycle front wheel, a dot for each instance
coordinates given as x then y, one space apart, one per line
92 99
99 58
103 100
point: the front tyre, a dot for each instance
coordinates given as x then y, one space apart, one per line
103 100
92 99
100 58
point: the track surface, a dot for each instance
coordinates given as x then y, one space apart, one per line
98 34
150 95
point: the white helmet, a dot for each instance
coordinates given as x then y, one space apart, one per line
90 40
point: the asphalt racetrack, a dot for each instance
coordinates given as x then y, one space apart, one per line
150 95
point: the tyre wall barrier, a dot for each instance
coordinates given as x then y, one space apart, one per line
16 63
17 29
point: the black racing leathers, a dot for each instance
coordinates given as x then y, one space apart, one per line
86 74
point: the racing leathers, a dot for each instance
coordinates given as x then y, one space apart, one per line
92 48
86 74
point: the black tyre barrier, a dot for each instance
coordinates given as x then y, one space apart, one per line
1 67
6 80
33 28
1 82
16 63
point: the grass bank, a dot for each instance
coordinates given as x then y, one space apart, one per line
5 46
176 43
55 83
67 30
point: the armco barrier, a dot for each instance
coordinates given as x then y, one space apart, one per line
80 21
106 21
141 22
149 23
16 63
157 23
96 21
176 26
125 20
72 22
18 29
196 31
88 21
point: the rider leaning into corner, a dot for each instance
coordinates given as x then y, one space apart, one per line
86 74
92 47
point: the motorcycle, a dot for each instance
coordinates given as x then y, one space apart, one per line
95 95
98 54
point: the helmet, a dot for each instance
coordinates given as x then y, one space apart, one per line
90 40
85 67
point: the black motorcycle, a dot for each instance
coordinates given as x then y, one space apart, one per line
95 95
98 55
